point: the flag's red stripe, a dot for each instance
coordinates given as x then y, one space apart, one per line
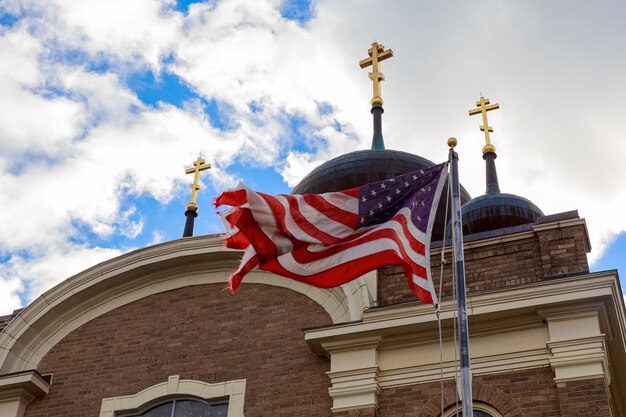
345 272
331 211
279 213
235 280
352 192
237 241
338 274
303 255
232 198
305 225
243 220
278 209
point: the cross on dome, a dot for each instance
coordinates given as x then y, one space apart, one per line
483 107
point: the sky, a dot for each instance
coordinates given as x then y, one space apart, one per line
103 104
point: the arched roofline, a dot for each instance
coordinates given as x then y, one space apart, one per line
36 329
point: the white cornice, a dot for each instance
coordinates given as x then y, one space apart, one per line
405 318
525 235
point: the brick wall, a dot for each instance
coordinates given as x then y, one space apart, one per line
586 398
199 333
366 412
547 254
528 393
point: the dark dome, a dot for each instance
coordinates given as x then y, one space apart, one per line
496 211
361 167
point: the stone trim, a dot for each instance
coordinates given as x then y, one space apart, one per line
354 374
401 318
486 397
175 387
484 365
185 262
18 389
560 323
477 406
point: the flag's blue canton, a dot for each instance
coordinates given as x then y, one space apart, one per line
380 201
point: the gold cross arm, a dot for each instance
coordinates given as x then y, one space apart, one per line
483 106
377 53
198 165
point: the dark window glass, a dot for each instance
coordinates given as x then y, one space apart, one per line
477 413
186 408
163 410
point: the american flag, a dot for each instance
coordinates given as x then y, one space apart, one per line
329 239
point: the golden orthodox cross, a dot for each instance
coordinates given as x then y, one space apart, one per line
198 165
376 54
483 107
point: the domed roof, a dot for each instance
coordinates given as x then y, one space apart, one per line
358 168
362 167
494 211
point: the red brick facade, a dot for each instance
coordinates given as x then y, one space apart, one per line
199 333
203 333
584 398
529 393
547 254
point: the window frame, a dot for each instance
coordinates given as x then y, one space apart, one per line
479 406
150 406
232 392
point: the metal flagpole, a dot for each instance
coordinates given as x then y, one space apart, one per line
457 242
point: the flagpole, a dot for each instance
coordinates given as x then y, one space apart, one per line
457 242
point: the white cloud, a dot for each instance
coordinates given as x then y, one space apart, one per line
9 296
78 146
139 32
48 268
29 121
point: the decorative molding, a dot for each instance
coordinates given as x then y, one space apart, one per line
583 358
492 364
477 406
486 398
409 317
26 340
512 329
175 387
20 388
524 235
354 389
354 373
577 345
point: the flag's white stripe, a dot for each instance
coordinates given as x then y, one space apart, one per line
321 221
292 225
267 222
343 201
427 284
248 254
230 229
348 255
390 224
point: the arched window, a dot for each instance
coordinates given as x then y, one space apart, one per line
180 398
185 408
477 413
480 410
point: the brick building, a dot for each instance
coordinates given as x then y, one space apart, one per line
151 333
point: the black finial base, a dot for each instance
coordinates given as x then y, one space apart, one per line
191 216
492 175
377 140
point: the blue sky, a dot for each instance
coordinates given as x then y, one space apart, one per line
105 104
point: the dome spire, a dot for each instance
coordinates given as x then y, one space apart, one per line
489 151
377 53
191 210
